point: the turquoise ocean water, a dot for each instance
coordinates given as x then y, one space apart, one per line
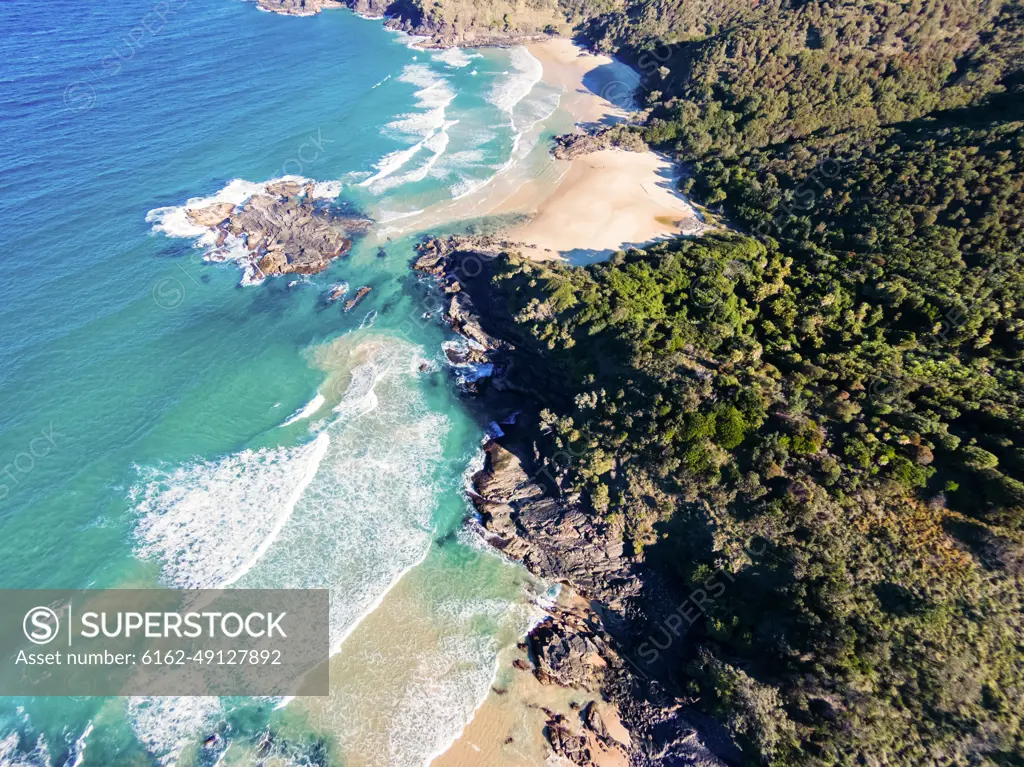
160 423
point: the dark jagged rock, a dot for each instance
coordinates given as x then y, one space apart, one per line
569 656
283 230
566 743
592 721
359 296
555 538
441 258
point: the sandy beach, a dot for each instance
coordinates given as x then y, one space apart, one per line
607 201
507 730
604 201
587 208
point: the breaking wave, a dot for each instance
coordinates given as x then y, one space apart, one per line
208 522
456 58
306 411
526 73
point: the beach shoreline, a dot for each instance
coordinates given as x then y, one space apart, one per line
591 206
586 208
602 201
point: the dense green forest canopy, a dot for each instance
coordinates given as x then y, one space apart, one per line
838 373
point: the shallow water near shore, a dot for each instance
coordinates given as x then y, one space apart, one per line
202 433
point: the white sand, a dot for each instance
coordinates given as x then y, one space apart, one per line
608 201
588 208
605 201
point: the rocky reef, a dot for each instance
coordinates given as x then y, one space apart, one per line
282 231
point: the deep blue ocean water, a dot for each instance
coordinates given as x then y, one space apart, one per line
162 424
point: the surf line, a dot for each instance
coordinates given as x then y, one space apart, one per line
320 445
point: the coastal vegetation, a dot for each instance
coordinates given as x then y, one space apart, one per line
826 402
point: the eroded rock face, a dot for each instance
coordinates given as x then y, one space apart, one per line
420 18
283 230
288 235
211 216
359 296
553 537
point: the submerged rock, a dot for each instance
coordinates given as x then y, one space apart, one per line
337 291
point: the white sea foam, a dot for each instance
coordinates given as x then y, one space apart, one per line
393 162
165 726
306 411
364 490
456 58
174 222
465 372
426 78
442 681
380 83
208 522
419 123
467 157
80 744
466 186
369 319
536 109
411 41
387 216
435 144
11 755
326 190
428 127
370 507
526 73
337 290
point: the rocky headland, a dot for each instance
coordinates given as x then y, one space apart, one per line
526 511
282 231
298 7
447 23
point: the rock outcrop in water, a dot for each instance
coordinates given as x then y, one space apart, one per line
282 230
359 296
